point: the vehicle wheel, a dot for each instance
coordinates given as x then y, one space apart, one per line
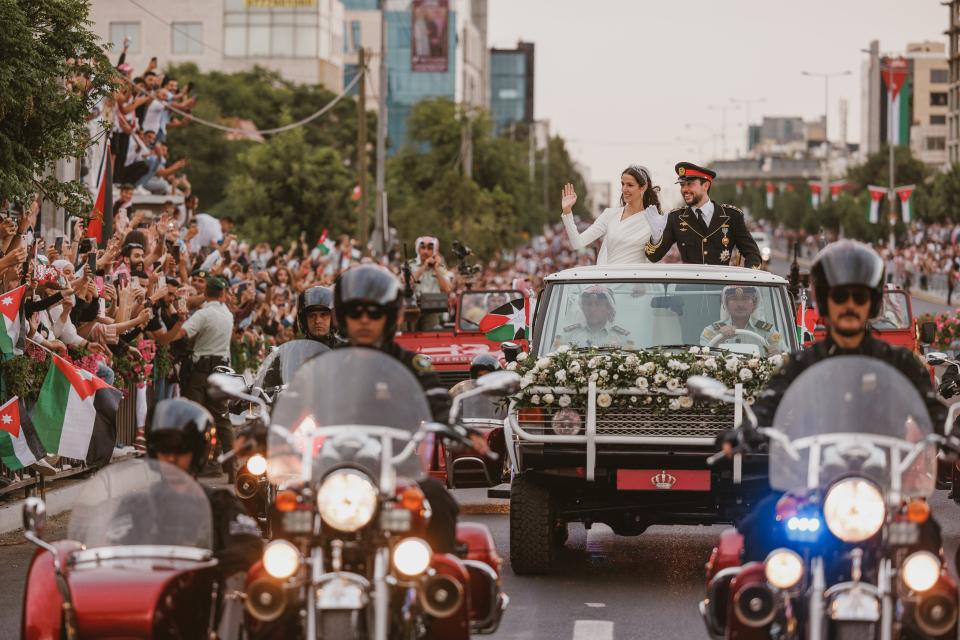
342 625
532 521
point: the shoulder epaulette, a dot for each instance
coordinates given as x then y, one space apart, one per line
572 327
730 206
763 326
677 209
619 330
719 325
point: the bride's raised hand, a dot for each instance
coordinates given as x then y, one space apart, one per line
568 198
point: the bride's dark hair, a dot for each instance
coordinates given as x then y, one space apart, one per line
652 195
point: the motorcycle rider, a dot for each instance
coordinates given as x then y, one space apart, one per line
315 316
480 366
848 279
180 433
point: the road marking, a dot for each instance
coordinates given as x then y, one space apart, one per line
595 605
592 630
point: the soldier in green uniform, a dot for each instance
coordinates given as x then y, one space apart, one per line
705 231
741 303
599 311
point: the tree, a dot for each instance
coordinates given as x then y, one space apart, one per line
945 197
52 73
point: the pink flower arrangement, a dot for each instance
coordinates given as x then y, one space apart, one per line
148 349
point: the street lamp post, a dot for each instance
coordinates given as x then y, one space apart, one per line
723 108
746 105
713 137
825 189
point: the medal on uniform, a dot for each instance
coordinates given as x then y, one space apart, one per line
725 241
724 255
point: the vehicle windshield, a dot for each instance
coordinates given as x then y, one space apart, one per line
850 404
894 312
280 365
145 502
474 305
481 407
361 389
643 315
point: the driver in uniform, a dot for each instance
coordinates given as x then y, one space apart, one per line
741 303
599 311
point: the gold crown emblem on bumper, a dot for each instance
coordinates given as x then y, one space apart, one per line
663 480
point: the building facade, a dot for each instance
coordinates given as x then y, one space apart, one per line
953 89
299 39
511 86
930 82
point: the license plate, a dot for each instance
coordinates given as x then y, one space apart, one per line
663 480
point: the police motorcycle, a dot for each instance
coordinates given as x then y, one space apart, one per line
349 439
137 560
853 546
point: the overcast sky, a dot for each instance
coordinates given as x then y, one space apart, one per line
620 79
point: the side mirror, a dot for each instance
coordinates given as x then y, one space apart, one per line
34 516
223 385
510 351
499 383
928 332
935 358
706 387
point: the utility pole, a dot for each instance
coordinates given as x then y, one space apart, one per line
362 148
723 108
466 142
746 105
546 165
891 195
532 149
382 225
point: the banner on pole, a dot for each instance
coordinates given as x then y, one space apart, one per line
896 81
877 194
906 210
815 189
771 189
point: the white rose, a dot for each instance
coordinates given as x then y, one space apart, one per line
659 378
593 376
604 373
526 381
710 363
512 366
642 383
674 404
616 376
733 364
592 363
746 374
564 400
673 384
694 349
535 399
604 400
648 400
648 367
548 398
563 348
543 363
686 402
631 360
561 375
523 355
753 363
574 367
775 361
633 399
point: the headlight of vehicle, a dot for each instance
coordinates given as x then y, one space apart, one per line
281 559
783 568
854 509
920 570
257 464
347 500
566 422
412 556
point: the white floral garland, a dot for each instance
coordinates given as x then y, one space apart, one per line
656 378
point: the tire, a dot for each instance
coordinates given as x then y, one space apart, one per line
342 625
532 521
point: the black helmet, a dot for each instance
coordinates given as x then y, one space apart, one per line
847 262
181 426
310 299
371 284
483 362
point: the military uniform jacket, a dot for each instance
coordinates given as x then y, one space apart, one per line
710 245
763 329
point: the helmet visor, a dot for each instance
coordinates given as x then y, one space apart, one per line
857 266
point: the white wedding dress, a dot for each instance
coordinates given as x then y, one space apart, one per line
624 241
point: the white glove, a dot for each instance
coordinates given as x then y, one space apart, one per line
657 222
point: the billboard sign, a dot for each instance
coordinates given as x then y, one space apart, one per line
429 45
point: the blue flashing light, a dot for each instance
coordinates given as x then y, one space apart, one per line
811 525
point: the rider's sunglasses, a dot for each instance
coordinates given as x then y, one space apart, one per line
357 310
840 295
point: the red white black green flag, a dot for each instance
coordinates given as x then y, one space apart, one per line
507 322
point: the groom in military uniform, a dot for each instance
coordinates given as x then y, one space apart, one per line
705 231
741 303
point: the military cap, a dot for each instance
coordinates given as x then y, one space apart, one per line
216 283
690 171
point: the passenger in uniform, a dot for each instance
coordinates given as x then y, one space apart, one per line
741 303
599 311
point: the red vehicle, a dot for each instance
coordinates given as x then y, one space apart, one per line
462 467
136 562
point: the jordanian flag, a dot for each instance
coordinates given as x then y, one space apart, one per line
11 342
508 322
15 453
76 413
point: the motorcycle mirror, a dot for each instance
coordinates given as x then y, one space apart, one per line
935 358
34 516
706 387
224 385
510 351
499 383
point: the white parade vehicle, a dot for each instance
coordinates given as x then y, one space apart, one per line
603 429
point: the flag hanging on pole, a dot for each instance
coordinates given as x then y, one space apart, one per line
781 187
906 210
739 187
15 452
896 80
11 321
771 189
876 195
95 226
815 189
836 188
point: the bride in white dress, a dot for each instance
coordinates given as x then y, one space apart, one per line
624 230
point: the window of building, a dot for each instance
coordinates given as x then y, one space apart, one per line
355 40
938 98
121 30
939 75
936 143
187 37
938 118
282 32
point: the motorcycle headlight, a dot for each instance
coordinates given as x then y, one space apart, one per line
281 559
783 568
854 509
347 500
920 571
412 556
257 464
566 422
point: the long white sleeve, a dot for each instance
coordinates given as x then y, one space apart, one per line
581 240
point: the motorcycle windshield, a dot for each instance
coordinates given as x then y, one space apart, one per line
335 413
280 366
145 502
482 407
857 409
